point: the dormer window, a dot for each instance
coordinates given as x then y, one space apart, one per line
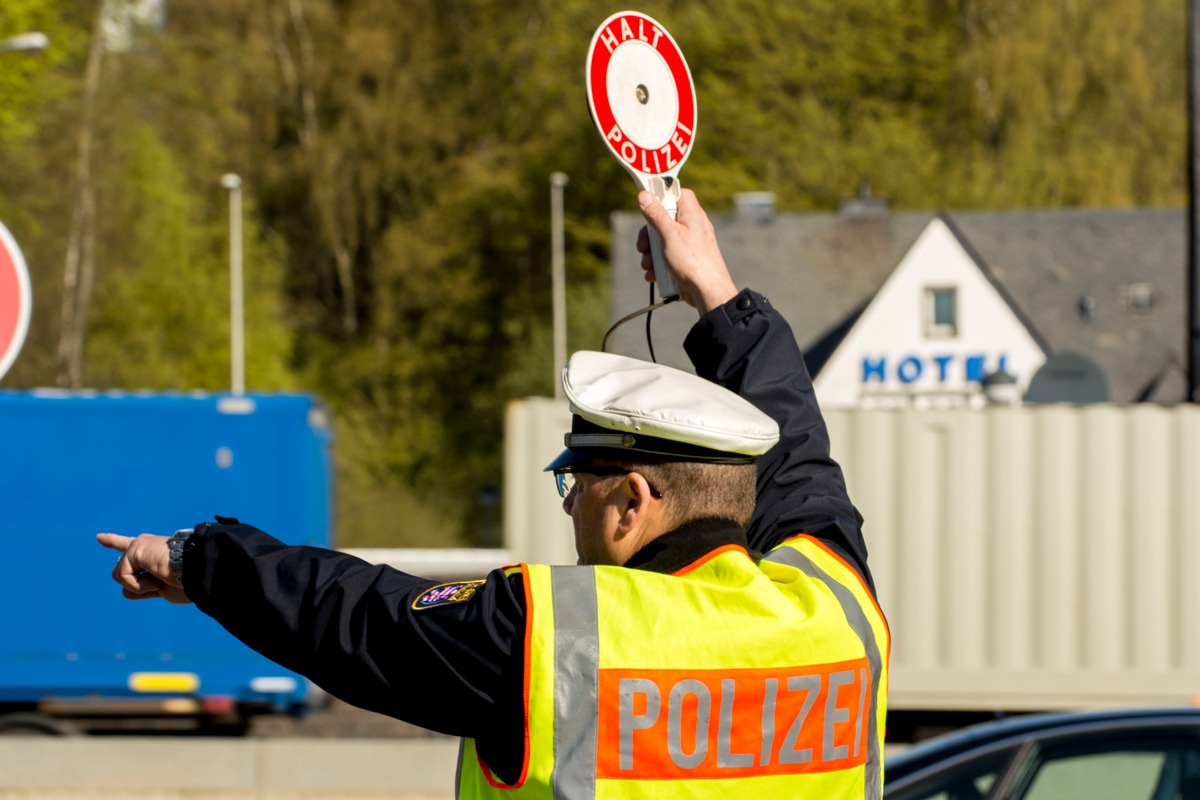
941 312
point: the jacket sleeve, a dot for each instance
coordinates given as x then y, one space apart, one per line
354 628
747 347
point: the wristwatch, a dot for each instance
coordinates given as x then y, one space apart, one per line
175 553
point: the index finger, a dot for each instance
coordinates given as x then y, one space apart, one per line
643 240
114 541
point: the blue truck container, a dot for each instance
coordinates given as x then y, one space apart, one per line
74 651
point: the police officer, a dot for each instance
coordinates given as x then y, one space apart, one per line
719 637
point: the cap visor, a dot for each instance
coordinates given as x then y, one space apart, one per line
571 458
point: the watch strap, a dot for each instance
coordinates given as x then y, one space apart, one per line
175 553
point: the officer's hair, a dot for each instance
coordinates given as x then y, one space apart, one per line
695 490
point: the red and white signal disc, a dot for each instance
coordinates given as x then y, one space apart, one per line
641 94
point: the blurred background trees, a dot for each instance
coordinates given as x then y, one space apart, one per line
396 158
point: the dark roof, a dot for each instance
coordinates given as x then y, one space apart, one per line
1054 263
1066 272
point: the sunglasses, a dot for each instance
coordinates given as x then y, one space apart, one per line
564 478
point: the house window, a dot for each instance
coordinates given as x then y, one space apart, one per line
941 312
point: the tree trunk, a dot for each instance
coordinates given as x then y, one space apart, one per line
79 268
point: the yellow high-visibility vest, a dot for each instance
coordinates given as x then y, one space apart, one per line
730 678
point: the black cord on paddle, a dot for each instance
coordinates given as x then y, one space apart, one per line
649 314
647 310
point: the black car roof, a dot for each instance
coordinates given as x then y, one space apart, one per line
1015 729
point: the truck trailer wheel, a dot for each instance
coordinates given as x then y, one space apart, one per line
30 724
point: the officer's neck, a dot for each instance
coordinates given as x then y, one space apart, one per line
688 543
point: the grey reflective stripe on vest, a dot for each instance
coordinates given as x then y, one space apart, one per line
576 682
858 621
458 771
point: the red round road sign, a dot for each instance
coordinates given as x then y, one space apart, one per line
641 94
16 300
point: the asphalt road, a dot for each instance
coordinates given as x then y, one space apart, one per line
193 768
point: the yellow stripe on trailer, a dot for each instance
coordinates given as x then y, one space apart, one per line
177 682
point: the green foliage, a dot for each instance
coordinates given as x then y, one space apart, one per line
396 161
27 79
806 98
1066 103
162 316
37 138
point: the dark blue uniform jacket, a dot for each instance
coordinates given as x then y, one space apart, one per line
457 668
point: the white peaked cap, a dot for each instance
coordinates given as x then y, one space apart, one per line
624 406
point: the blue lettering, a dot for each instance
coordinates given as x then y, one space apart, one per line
943 362
874 368
975 368
909 369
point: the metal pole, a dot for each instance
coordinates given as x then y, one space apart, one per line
1193 280
558 276
237 351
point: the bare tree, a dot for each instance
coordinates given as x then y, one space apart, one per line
79 270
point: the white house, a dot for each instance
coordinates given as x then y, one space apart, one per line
929 336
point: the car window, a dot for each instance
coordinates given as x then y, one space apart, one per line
1114 768
1098 776
968 780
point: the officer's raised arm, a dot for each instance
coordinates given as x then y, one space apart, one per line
742 343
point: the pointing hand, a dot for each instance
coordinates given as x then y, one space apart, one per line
144 568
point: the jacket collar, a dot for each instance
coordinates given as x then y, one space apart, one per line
687 544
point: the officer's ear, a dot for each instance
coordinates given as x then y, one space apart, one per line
639 500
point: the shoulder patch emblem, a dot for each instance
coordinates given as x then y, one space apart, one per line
446 593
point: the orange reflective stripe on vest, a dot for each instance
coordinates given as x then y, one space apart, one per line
686 724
